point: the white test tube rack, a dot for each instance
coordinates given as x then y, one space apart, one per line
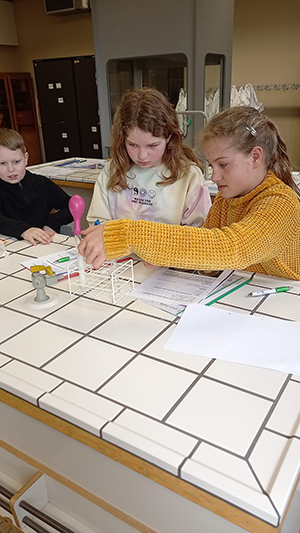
111 282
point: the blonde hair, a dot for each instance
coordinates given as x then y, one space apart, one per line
148 109
12 140
244 127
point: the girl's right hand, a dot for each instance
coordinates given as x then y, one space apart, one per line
92 246
36 235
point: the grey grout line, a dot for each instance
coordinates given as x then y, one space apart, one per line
264 492
241 389
280 434
189 456
268 416
192 385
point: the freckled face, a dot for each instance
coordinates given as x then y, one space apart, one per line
12 165
233 172
144 149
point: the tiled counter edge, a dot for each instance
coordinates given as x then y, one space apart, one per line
104 472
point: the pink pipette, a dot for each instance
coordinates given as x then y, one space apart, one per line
76 206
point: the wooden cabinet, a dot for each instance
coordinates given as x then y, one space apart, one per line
17 110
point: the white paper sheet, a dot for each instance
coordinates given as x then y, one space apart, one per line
259 341
177 287
52 261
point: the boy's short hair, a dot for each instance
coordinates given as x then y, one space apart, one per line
12 140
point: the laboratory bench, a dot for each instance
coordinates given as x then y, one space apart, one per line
64 174
74 175
71 172
105 431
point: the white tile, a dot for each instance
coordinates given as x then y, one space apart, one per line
224 416
46 249
26 382
12 322
23 274
39 343
12 263
4 359
151 440
89 363
149 386
80 407
191 362
283 305
130 329
26 303
260 380
11 288
16 246
82 314
228 477
241 298
127 299
144 307
276 462
59 238
288 403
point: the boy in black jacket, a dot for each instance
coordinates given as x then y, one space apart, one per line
32 207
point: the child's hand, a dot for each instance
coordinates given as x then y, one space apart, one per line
49 230
148 265
36 235
92 246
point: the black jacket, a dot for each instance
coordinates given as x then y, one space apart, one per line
28 204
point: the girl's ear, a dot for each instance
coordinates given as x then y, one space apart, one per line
169 137
257 156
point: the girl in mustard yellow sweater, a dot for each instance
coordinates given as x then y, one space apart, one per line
254 223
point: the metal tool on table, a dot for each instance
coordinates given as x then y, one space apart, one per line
42 276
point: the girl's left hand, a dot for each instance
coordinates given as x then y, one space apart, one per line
92 246
148 265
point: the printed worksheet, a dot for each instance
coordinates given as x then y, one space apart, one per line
171 286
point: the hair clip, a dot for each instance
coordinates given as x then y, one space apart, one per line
250 129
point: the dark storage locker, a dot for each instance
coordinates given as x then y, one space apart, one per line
87 106
68 102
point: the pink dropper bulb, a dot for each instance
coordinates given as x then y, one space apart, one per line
76 206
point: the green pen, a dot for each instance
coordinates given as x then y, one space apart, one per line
270 291
63 259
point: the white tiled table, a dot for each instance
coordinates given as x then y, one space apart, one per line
175 441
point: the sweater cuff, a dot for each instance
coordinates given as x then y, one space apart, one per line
116 233
18 229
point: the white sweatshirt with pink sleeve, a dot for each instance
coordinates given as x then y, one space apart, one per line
186 202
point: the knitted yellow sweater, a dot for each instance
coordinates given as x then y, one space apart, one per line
259 232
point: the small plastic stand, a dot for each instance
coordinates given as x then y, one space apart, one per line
111 282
